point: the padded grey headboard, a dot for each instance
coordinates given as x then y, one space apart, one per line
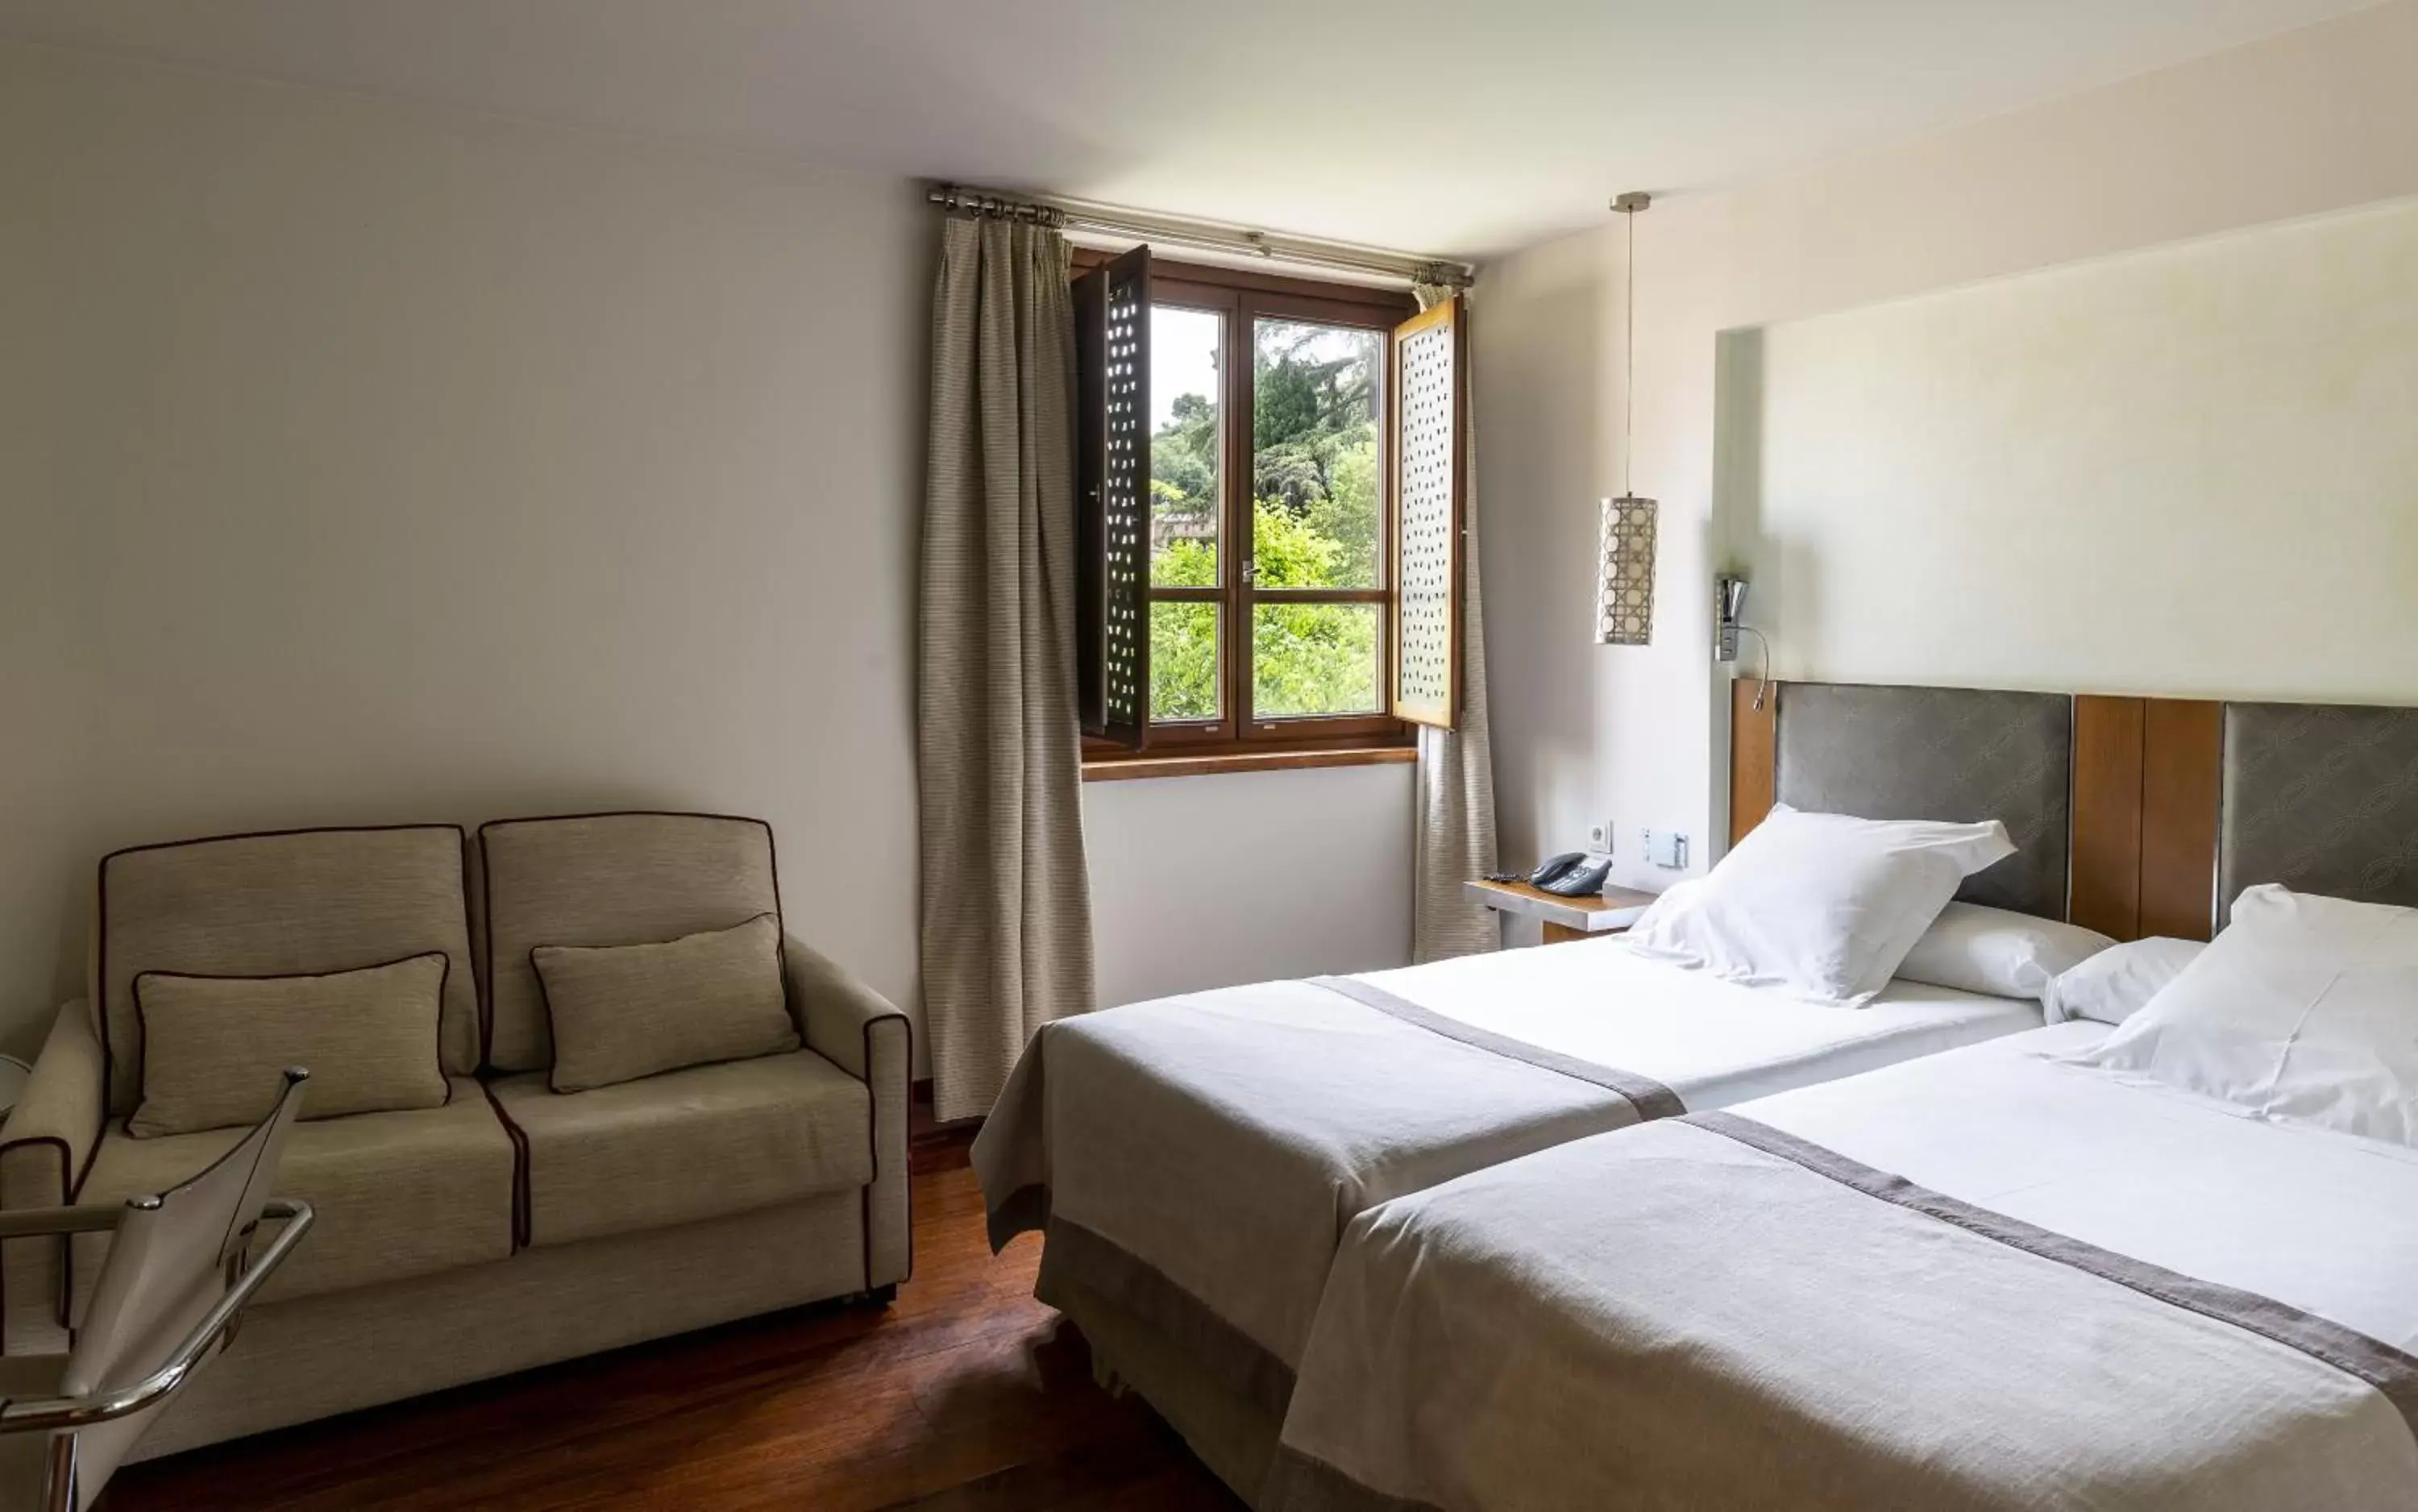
2322 797
1939 754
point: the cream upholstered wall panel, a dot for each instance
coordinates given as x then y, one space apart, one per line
363 463
2191 470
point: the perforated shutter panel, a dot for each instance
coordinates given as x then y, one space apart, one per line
1428 450
1113 484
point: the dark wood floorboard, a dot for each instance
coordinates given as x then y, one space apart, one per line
964 1395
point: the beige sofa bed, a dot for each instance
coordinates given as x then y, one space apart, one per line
511 1225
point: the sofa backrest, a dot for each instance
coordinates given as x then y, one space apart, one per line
605 880
277 905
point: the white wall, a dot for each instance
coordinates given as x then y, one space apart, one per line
1208 882
370 464
362 462
2314 122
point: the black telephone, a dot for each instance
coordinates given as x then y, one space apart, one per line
1572 874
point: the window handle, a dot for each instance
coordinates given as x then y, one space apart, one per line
1251 570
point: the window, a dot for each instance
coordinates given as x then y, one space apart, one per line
1239 433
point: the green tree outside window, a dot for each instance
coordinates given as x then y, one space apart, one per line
1316 521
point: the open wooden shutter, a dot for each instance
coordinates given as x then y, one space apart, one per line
1112 497
1431 458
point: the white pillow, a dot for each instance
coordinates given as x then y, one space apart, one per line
2114 984
2304 1008
1819 906
2006 954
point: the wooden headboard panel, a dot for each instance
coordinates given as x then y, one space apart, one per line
2146 778
2147 774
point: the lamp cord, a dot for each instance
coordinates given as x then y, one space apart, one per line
1762 680
1628 360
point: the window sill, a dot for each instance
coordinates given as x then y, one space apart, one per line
1127 768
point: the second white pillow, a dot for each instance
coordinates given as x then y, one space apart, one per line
2114 984
1974 948
1820 906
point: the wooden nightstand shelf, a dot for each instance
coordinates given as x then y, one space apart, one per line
1562 918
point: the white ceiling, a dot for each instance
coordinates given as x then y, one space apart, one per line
1419 124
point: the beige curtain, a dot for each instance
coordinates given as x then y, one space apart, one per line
1456 774
1007 904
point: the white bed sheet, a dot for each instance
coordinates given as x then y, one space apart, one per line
1712 1042
2326 1222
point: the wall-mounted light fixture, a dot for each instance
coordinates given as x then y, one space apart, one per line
1729 602
1624 606
1729 624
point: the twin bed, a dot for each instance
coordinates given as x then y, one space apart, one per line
1996 1280
1195 1163
1469 1235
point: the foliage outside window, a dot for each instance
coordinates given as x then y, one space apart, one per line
1285 640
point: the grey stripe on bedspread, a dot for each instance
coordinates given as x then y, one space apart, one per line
1650 1098
2391 1371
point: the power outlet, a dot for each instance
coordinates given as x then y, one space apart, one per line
1600 835
1667 848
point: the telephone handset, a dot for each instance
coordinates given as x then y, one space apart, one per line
1572 874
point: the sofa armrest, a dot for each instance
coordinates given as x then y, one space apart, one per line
865 1035
45 1148
840 1012
50 1137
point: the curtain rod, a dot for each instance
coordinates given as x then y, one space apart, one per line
1083 215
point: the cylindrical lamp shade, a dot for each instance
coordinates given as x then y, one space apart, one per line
1624 605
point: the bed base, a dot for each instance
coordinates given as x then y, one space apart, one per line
1236 1439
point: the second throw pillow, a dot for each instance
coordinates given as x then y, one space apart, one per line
622 1012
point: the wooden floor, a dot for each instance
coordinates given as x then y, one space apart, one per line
965 1394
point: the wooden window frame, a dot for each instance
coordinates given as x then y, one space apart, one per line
1241 297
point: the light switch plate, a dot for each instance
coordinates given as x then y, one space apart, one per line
1667 848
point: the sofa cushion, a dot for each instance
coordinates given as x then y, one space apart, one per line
686 1145
605 880
214 1047
397 1194
276 904
620 1012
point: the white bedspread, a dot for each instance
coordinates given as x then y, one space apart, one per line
1672 1316
1196 1159
2322 1221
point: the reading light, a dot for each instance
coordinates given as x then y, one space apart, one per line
1729 607
1624 605
1729 602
